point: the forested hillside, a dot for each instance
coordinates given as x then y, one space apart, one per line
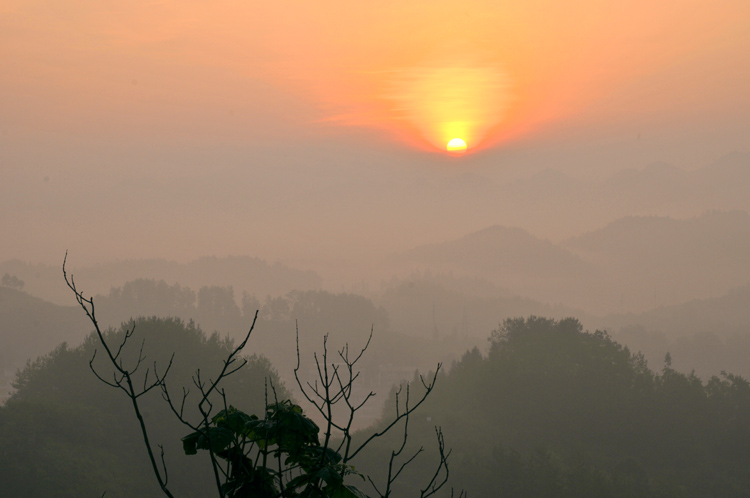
553 411
66 434
549 411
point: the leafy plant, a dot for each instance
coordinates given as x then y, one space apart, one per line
279 455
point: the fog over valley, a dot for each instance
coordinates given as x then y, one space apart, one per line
375 250
649 279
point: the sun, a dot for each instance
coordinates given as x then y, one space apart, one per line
456 146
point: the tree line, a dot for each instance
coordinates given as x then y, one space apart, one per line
548 410
555 411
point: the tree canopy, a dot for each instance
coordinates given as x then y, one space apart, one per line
64 433
552 410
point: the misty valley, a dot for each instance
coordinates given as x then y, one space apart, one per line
546 382
336 249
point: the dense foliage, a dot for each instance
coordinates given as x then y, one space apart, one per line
549 411
254 449
66 434
553 411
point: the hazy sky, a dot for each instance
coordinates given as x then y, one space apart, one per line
316 130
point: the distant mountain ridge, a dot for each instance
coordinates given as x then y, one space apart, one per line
675 260
498 251
506 256
662 188
725 315
701 335
635 263
561 205
30 326
252 275
724 231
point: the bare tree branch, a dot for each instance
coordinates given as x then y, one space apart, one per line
428 389
87 304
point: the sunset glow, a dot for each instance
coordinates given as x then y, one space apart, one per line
447 101
490 74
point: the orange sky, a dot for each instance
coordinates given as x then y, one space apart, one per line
420 71
304 130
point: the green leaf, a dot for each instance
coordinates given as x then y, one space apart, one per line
235 420
219 439
330 476
190 443
326 455
216 439
299 481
